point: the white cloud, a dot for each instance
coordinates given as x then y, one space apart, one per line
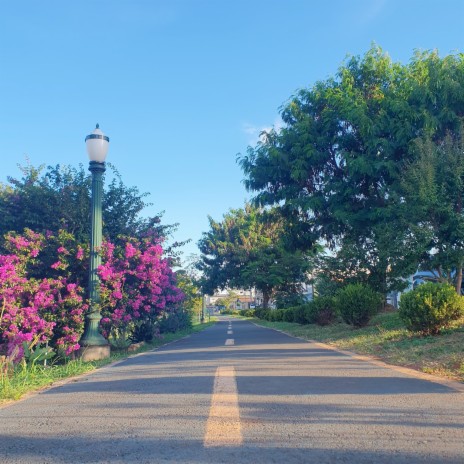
254 132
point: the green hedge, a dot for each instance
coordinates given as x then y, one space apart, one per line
319 311
356 303
427 309
248 313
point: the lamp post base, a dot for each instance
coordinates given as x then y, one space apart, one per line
93 345
94 352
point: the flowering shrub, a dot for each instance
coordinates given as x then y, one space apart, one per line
19 319
137 285
36 309
42 281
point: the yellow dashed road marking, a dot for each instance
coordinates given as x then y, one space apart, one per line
223 427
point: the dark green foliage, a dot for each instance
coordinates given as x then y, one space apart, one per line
289 298
248 313
288 315
299 314
175 320
325 284
321 311
230 312
192 303
144 332
431 307
247 249
336 167
58 198
276 315
434 183
356 303
261 313
38 353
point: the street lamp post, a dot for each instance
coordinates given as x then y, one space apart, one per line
202 320
93 345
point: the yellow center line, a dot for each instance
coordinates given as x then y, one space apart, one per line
223 427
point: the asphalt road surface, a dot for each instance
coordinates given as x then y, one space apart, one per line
238 393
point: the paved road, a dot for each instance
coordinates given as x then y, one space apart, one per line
237 393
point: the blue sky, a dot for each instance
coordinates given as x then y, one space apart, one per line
182 86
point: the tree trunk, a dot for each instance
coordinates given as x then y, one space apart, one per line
266 298
459 278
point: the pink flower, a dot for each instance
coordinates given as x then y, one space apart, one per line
117 294
71 287
80 253
130 250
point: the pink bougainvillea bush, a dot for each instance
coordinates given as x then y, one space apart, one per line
138 287
40 310
42 289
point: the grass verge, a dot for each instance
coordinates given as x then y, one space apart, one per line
386 338
28 378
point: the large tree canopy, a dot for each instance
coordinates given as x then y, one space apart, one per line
338 162
247 250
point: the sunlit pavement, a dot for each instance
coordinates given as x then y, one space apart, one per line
238 393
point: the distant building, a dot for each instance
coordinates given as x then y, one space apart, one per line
237 298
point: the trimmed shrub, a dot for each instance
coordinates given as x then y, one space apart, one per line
357 303
178 319
144 332
430 308
276 315
230 312
321 311
288 315
248 313
261 313
299 314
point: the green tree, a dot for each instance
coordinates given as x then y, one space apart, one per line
337 163
247 250
58 198
434 184
193 298
228 301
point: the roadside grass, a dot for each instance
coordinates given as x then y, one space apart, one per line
28 378
387 339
